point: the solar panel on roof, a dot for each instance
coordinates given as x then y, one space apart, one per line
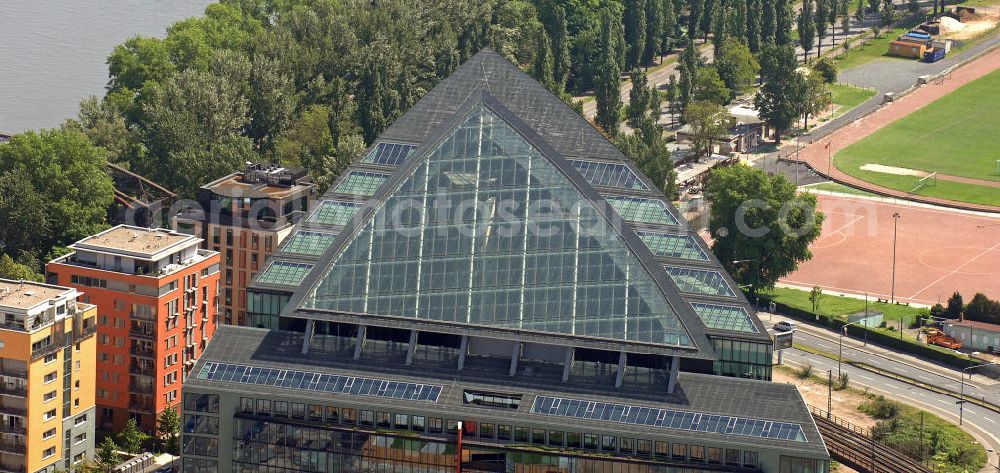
311 381
361 183
608 174
673 246
637 209
284 273
724 317
667 418
389 154
700 281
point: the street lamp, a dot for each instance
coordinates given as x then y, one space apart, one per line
961 395
895 220
840 355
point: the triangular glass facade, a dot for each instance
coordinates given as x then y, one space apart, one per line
485 230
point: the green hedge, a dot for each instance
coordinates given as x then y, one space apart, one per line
910 346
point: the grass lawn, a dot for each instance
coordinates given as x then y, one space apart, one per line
841 307
876 48
838 187
955 135
849 96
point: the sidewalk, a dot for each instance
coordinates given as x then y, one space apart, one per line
896 356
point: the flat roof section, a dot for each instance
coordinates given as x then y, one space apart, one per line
704 408
24 295
135 241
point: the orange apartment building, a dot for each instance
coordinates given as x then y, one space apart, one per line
245 216
156 293
47 353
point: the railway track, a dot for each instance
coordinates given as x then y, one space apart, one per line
852 446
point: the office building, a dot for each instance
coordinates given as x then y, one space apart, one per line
156 294
493 286
245 216
47 350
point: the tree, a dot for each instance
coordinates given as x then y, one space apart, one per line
193 130
561 43
168 427
753 25
873 5
768 22
105 126
695 8
859 13
738 27
69 173
107 455
718 30
26 226
654 30
827 69
983 309
888 14
670 27
707 16
761 220
807 27
845 18
783 31
775 100
272 100
10 269
709 87
543 67
688 69
709 122
131 438
814 97
648 151
815 296
643 100
672 98
736 66
608 84
635 32
955 306
821 19
378 102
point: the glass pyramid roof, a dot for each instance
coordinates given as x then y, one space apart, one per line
485 230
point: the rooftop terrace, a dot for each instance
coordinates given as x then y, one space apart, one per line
135 241
26 294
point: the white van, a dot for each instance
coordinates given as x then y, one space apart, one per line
784 326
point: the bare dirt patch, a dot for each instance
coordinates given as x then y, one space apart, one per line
882 168
845 402
972 26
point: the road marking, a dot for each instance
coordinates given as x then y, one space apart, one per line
942 401
991 420
969 261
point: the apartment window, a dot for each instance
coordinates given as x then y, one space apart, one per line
119 360
264 407
697 453
103 320
102 394
76 365
229 237
103 339
103 357
79 457
229 257
254 241
119 322
49 434
680 451
119 305
732 457
171 396
170 378
590 442
435 425
267 244
76 384
76 402
119 342
48 396
51 377
80 420
253 262
49 452
50 415
749 458
573 439
662 449
51 357
80 438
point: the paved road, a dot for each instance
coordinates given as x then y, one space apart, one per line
985 422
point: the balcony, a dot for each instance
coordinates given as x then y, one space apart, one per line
11 389
13 447
144 370
49 349
138 332
143 352
141 408
140 389
14 411
12 429
86 331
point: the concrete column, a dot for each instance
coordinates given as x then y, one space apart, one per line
568 363
307 338
675 364
462 350
514 357
622 362
360 343
411 347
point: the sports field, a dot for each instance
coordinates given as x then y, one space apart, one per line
956 136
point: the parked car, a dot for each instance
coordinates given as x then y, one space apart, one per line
784 326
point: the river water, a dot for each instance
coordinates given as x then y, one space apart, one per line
53 52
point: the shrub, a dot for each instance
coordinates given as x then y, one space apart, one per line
805 371
880 408
843 380
827 69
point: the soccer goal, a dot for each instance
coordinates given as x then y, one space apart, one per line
928 180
